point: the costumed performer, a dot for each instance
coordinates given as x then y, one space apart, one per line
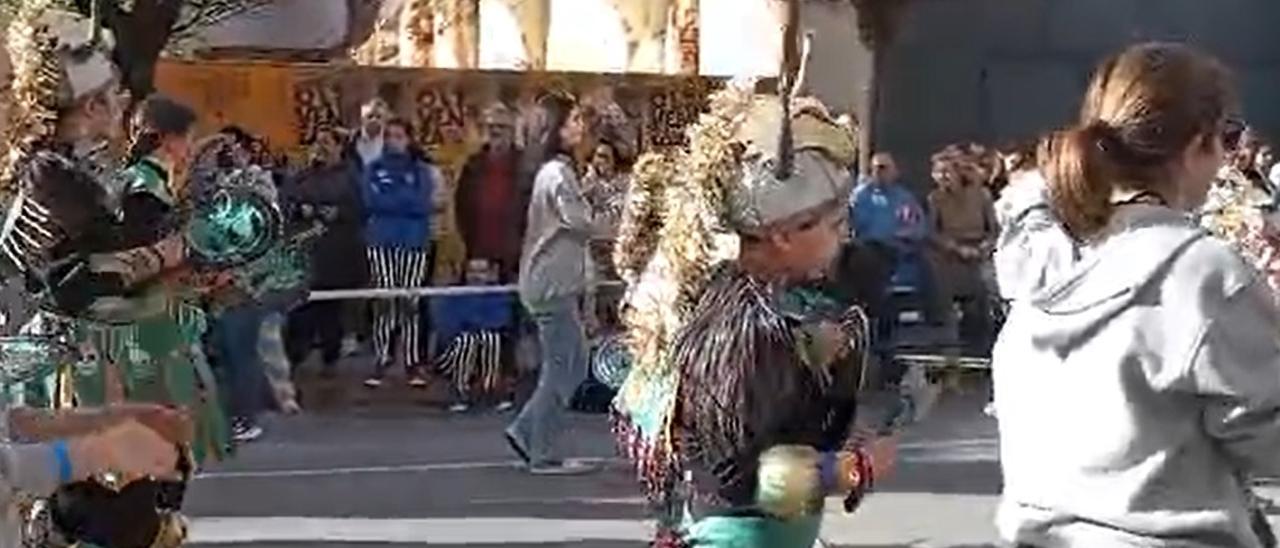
739 409
97 252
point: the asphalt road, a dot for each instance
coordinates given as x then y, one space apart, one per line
407 474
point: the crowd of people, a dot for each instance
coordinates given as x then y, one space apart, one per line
763 276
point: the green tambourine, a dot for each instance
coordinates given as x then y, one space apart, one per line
233 221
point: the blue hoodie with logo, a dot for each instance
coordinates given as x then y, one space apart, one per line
398 190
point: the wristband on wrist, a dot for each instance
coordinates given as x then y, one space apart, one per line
62 459
827 468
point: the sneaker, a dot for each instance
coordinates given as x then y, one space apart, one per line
505 406
244 431
459 408
417 379
567 468
375 380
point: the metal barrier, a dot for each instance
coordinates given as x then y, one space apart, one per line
408 292
943 361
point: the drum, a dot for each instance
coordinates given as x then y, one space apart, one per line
611 361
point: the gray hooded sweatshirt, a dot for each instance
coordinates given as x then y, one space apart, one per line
1137 380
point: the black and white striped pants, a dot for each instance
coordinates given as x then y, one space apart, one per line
396 321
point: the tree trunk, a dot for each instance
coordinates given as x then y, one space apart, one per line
870 113
140 35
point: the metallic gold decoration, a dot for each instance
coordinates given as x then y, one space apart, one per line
37 85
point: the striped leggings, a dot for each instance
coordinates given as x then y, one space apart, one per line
395 321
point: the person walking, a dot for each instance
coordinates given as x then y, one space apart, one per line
552 283
1168 335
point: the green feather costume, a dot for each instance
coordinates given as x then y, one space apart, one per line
728 366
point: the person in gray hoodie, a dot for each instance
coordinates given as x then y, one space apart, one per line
1137 379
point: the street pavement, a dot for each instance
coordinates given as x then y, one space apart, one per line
402 472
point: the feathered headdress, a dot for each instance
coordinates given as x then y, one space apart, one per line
753 162
58 58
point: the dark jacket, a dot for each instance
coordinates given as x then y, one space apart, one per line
398 191
470 209
329 193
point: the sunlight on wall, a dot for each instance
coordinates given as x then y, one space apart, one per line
501 41
739 38
586 35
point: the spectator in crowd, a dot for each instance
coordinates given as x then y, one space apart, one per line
1161 342
885 213
605 188
1259 172
963 232
328 191
477 333
369 142
493 196
403 197
234 331
552 282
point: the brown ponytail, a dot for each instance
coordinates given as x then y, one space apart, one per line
1080 186
1143 108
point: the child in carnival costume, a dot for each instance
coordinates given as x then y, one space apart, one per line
739 408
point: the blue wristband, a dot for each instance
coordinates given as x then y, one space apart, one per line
62 454
827 472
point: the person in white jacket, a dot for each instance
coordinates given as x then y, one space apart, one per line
1137 380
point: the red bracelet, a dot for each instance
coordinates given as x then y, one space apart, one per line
862 481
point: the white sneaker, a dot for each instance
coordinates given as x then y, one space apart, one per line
459 408
567 468
504 406
245 432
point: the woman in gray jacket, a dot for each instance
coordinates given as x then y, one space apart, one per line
1137 380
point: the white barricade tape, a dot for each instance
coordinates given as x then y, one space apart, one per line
409 292
942 361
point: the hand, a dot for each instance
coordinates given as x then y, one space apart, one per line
174 425
884 456
129 449
173 250
833 342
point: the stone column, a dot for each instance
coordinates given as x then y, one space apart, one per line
534 17
646 25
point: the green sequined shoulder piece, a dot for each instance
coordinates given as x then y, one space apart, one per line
146 177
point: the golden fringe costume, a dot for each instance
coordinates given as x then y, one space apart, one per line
729 410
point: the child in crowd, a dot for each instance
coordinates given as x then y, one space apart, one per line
476 333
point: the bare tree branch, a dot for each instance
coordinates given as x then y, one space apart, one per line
200 14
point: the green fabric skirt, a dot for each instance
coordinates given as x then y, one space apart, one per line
161 360
753 532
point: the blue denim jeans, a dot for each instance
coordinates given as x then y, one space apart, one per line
235 338
563 351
